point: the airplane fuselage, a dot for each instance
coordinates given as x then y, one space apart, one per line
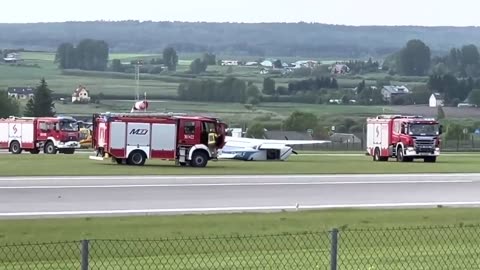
251 154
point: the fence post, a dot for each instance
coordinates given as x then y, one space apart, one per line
334 250
85 254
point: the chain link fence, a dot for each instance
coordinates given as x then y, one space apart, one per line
452 247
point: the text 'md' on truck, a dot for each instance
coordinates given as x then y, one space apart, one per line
132 138
403 137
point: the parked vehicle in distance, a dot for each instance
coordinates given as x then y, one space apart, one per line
35 134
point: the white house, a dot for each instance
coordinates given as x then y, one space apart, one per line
81 95
20 92
436 100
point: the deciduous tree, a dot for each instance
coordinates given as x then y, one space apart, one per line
415 58
170 58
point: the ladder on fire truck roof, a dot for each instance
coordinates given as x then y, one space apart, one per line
393 116
143 114
12 117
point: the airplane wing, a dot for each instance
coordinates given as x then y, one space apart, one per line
268 141
255 149
265 146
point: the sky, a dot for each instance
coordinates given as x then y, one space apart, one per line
345 12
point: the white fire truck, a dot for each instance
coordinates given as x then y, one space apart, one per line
132 138
33 134
403 137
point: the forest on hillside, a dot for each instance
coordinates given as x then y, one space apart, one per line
255 39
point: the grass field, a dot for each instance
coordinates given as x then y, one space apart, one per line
312 164
41 64
231 113
255 241
204 225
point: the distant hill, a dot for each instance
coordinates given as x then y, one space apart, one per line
257 39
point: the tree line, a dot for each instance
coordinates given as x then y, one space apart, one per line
232 89
461 62
154 66
454 89
259 39
89 54
312 84
456 75
303 121
416 59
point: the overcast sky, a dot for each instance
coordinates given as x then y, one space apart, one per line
349 12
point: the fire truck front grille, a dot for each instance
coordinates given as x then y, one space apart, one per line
422 145
69 139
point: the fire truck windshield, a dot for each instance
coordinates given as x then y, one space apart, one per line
424 129
68 126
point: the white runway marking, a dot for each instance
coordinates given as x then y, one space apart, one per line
236 209
238 184
212 177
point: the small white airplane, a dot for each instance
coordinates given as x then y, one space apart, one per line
248 149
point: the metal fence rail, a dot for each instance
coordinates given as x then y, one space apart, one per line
452 247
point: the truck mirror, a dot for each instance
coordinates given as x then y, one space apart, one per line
440 130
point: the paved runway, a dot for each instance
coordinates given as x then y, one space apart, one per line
140 195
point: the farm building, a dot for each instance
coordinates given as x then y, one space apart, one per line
436 100
390 91
20 92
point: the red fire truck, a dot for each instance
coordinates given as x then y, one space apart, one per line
50 134
131 138
403 137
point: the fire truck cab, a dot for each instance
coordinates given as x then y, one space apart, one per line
35 134
403 137
132 138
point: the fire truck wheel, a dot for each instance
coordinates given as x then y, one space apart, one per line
376 155
137 158
199 159
69 151
119 161
430 159
400 157
49 149
15 148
